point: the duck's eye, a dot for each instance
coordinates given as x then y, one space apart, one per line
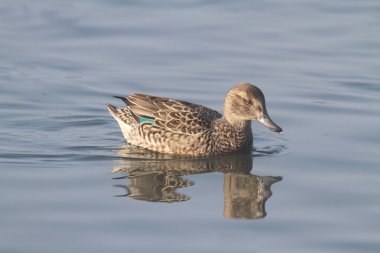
251 102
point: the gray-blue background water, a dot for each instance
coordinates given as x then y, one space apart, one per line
318 63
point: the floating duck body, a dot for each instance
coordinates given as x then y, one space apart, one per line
178 127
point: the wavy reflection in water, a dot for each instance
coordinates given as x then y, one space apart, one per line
156 187
245 195
157 177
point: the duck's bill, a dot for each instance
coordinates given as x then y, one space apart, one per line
266 121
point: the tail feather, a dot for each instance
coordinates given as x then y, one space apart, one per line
112 109
123 114
124 99
126 119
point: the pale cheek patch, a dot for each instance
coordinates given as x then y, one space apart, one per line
243 95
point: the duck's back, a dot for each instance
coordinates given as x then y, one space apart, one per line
173 115
166 125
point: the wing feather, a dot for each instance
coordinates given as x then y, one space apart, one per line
173 115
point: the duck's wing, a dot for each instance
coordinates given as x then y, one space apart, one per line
173 115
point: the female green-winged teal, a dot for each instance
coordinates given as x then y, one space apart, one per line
178 127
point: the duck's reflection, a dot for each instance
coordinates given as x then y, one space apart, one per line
156 177
245 195
156 187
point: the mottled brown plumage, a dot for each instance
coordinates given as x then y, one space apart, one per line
179 127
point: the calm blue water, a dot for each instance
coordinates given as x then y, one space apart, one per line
64 166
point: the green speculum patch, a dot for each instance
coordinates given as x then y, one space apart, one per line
149 120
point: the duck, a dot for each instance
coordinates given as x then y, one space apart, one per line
183 128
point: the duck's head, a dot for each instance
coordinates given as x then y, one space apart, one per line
246 102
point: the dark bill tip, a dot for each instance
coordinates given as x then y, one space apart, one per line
266 121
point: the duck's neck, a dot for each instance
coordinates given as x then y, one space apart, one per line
232 136
235 122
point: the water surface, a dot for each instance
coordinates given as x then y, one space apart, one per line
68 184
